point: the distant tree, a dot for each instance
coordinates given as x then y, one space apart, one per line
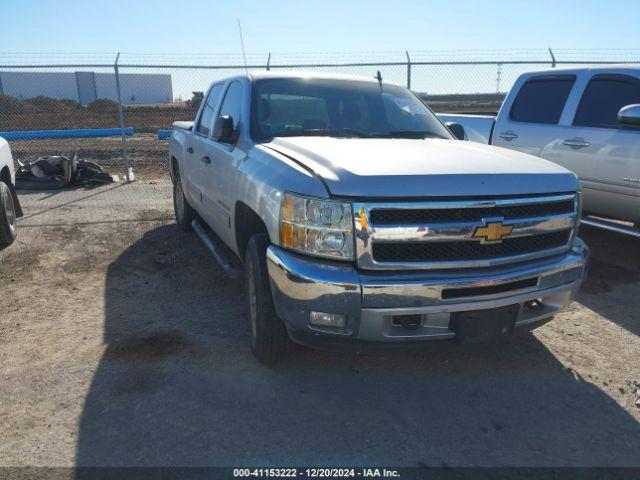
196 100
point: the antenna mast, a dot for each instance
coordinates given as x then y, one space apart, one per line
244 56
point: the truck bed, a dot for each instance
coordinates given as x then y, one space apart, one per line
477 128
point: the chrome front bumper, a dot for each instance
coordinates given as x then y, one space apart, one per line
370 300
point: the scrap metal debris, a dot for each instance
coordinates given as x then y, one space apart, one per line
58 172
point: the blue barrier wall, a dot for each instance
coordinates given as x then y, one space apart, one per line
162 134
79 133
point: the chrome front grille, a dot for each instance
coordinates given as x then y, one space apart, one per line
463 250
412 216
448 234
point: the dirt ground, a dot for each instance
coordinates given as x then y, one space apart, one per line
123 343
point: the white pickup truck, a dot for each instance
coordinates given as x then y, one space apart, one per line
362 222
10 209
585 119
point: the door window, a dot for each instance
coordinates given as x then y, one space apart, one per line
205 122
542 99
232 103
603 98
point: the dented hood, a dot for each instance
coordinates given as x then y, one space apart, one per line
383 167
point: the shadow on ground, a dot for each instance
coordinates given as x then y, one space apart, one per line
177 385
615 266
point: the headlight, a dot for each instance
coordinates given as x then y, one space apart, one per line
317 227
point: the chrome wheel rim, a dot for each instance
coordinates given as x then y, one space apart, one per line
10 209
253 303
179 202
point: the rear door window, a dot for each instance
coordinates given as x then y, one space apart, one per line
542 99
603 98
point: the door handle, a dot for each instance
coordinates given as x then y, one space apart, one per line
509 135
206 159
576 143
189 150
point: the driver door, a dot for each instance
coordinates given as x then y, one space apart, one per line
225 160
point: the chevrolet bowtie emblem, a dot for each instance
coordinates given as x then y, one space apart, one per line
492 232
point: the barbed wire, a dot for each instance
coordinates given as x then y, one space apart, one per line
310 57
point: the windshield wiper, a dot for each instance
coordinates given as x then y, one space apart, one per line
407 134
354 132
328 132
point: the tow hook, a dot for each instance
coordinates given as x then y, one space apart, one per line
535 304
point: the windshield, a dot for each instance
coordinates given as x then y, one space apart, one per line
287 107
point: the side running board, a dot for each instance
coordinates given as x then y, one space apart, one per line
216 251
611 226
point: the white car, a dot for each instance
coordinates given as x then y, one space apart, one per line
585 119
10 209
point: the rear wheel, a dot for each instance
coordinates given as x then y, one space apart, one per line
183 211
8 216
268 334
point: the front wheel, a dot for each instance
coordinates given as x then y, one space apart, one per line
268 334
183 211
8 216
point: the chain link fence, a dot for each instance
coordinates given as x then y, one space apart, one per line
94 105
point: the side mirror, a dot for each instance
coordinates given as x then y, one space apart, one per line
223 129
456 129
630 115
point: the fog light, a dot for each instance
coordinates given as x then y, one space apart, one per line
323 319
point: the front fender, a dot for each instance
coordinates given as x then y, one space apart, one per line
178 144
263 177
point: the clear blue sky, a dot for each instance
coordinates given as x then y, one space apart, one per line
185 26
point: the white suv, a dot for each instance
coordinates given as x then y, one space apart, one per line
9 205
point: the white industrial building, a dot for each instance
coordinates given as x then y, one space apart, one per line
85 87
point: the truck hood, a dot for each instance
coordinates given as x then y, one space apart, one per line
380 167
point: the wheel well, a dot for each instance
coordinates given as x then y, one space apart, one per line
5 175
174 168
248 223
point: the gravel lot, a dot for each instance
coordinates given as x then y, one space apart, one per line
122 343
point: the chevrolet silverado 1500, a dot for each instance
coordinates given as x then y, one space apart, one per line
361 221
9 205
586 119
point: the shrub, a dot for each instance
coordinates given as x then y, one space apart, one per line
103 105
10 104
52 104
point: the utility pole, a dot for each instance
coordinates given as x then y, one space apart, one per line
408 70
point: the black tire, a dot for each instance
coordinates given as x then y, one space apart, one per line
8 216
268 334
183 211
